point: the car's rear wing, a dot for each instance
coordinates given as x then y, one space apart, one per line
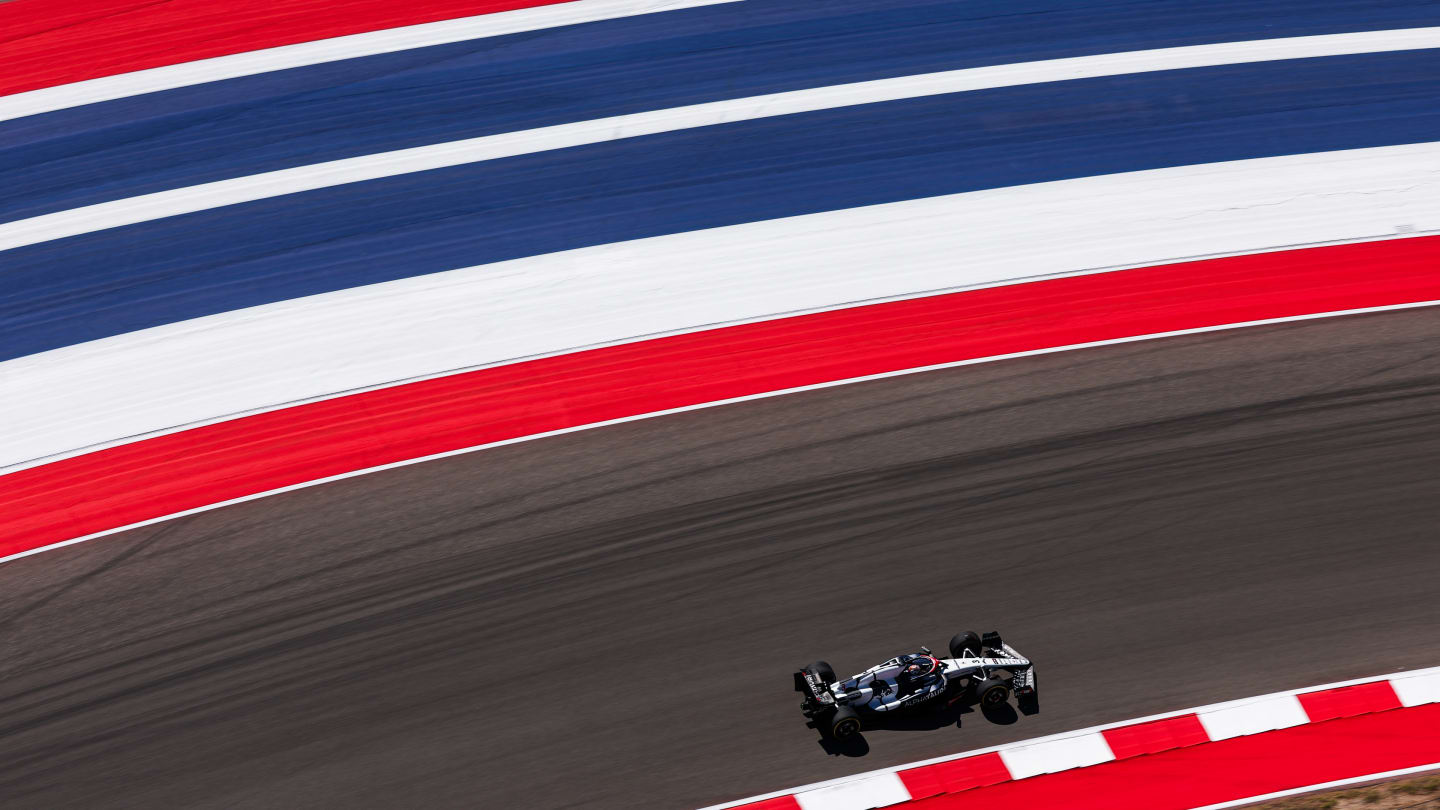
816 691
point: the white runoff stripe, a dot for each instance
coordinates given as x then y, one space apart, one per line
233 66
1079 751
877 790
174 202
1417 688
156 380
1266 714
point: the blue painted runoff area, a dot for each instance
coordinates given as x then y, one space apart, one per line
119 280
127 147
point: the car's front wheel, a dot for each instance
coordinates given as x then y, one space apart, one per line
968 641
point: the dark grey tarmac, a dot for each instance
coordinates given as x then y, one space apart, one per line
610 618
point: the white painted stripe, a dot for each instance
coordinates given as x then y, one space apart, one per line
1079 751
159 380
371 43
734 401
878 790
1338 783
1417 688
1419 673
161 204
1253 717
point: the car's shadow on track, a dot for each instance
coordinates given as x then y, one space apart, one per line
955 715
856 746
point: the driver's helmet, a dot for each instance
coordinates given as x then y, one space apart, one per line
919 667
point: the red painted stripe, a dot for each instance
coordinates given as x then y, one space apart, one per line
1223 771
1348 701
1155 736
955 775
194 468
50 42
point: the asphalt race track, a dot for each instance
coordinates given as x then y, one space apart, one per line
610 618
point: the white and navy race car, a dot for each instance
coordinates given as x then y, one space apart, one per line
980 669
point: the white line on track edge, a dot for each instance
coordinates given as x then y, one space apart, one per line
733 400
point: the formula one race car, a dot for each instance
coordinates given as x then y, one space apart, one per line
981 669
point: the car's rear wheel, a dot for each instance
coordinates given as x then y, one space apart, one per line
823 671
968 641
991 692
845 724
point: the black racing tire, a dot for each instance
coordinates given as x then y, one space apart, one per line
991 692
843 725
968 641
823 671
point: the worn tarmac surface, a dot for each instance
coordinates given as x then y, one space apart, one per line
610 618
